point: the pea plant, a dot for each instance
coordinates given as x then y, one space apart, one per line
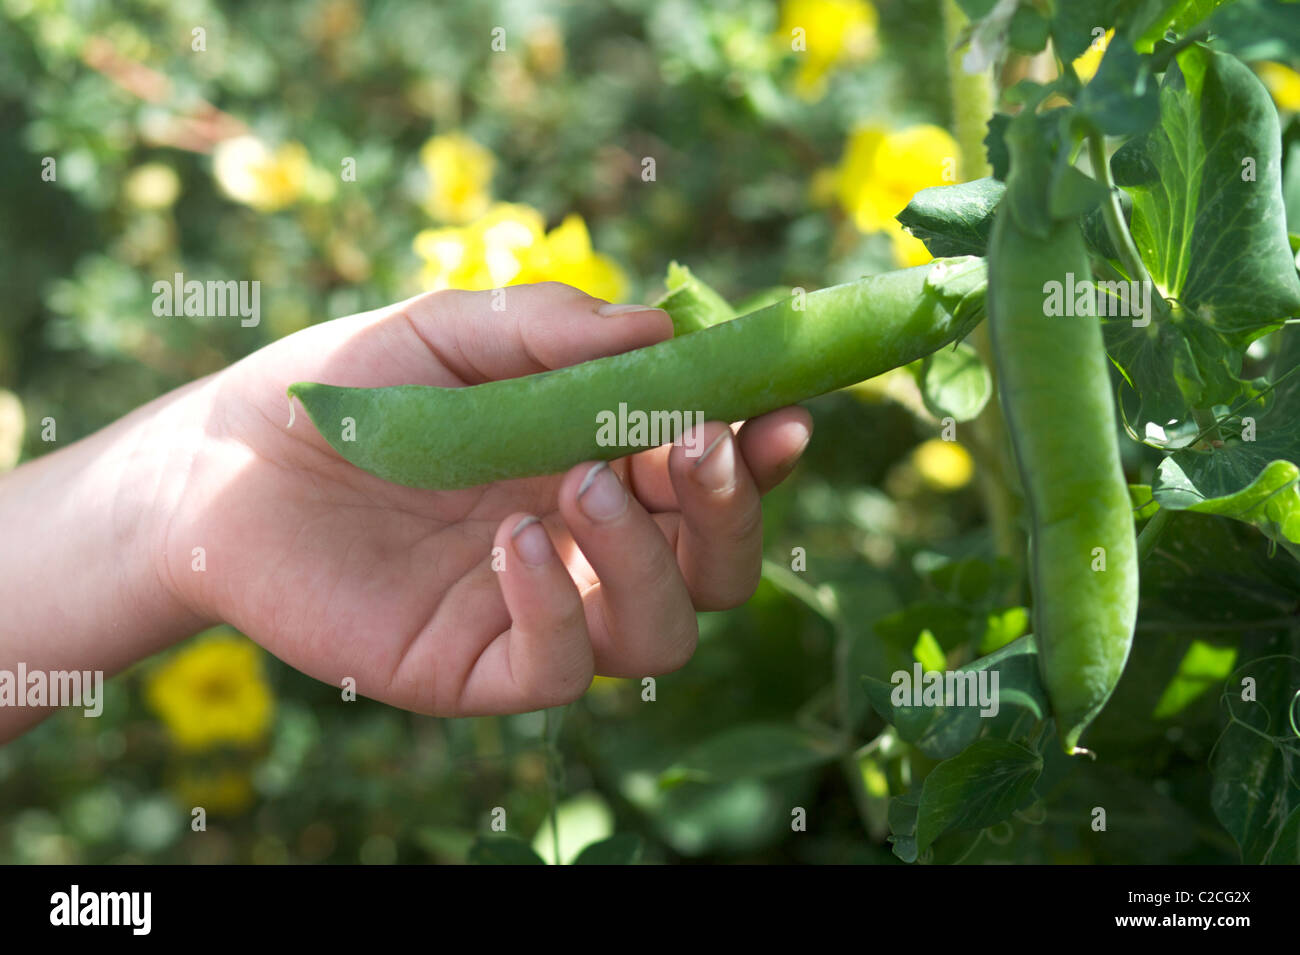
1124 281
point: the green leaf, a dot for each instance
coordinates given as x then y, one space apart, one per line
1003 627
1195 11
1029 30
1258 29
1123 98
975 581
502 850
1213 241
1211 572
943 731
902 825
1256 481
620 849
928 653
1271 501
978 788
1177 15
951 626
1203 666
995 146
1074 194
1213 237
1174 366
752 752
1286 850
954 383
1075 20
1255 791
954 220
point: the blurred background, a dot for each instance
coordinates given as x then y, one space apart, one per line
347 155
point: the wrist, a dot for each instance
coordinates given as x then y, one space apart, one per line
155 477
82 564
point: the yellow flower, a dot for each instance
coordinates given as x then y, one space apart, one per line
226 791
250 173
831 32
212 692
606 684
908 249
509 246
488 253
460 178
567 257
882 170
1086 63
943 465
1283 82
12 425
152 186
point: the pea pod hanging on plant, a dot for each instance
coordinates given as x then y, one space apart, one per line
1055 390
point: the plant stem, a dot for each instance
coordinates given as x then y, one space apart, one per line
1207 425
1113 214
1150 535
552 779
973 100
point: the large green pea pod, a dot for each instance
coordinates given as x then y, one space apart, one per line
804 346
1056 396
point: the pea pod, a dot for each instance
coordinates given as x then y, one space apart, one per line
451 438
1056 397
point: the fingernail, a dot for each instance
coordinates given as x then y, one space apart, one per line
609 310
716 467
531 542
601 495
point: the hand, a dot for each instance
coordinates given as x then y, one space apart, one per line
342 574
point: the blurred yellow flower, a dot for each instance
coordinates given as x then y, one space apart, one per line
152 185
249 172
567 256
881 171
908 249
226 791
544 47
510 246
943 465
12 425
1283 82
212 692
460 178
607 684
831 32
1086 64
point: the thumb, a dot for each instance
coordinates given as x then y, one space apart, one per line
523 329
